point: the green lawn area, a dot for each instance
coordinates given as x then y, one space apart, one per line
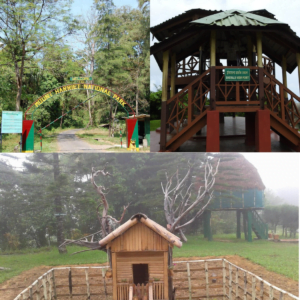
154 124
281 258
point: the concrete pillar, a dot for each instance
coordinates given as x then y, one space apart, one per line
250 128
259 49
173 74
238 224
213 48
284 79
298 63
213 132
262 131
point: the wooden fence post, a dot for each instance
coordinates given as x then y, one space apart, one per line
245 286
54 285
45 288
230 282
87 283
237 284
253 288
70 283
224 280
189 280
206 280
261 290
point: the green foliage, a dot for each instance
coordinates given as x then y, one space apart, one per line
155 104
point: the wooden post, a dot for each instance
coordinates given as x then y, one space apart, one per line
261 92
249 50
237 284
150 291
238 224
206 280
114 275
173 74
189 280
245 286
259 49
249 215
253 288
166 281
282 103
164 97
38 292
31 294
70 283
271 296
224 281
87 283
131 292
50 284
54 285
201 60
190 106
45 288
284 79
213 48
298 64
104 283
261 290
230 282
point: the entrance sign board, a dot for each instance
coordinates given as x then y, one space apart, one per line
240 74
80 78
12 122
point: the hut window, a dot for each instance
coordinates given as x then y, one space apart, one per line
140 273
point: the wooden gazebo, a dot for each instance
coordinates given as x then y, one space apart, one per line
217 62
141 255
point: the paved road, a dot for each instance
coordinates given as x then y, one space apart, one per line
69 142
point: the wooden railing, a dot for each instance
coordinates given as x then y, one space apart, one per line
190 101
281 101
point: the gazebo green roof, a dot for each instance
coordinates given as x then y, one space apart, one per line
236 18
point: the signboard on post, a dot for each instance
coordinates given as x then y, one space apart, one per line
12 122
80 78
240 74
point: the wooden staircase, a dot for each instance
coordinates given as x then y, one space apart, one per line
259 226
186 112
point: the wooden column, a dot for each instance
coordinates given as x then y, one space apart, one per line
298 63
238 224
284 79
249 217
200 60
213 48
173 74
114 274
249 50
163 127
166 279
259 49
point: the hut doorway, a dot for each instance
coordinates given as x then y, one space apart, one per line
140 273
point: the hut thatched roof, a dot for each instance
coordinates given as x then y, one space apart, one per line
237 173
163 232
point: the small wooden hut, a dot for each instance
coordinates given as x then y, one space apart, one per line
140 253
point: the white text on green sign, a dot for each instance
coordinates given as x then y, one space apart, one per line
240 74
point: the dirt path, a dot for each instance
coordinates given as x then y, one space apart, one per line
69 142
12 287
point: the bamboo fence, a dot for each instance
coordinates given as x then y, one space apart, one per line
194 279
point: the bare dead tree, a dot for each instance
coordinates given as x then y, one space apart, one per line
180 200
106 220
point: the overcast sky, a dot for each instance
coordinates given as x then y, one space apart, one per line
284 11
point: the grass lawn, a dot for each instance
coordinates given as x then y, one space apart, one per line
154 124
49 140
281 258
90 136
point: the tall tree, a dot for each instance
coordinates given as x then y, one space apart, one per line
29 26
